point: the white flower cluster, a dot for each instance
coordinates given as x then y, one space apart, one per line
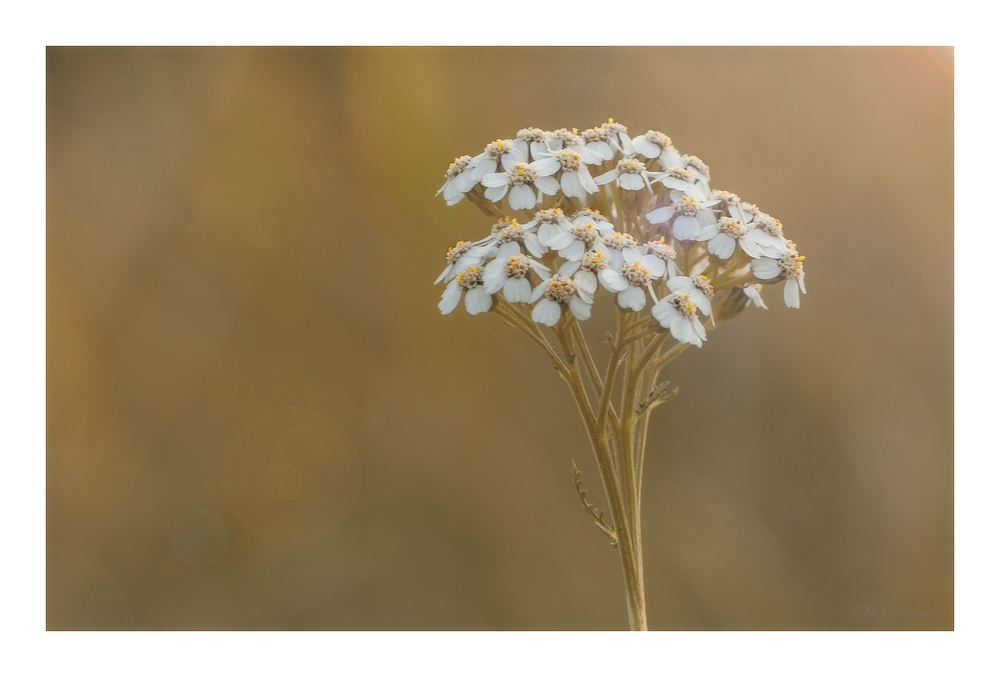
694 252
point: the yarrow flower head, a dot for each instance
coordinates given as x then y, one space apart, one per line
629 174
647 225
673 258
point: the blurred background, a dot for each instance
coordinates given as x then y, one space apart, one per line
257 418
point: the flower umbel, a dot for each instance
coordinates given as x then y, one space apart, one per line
706 256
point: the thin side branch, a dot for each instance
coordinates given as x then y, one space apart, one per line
592 509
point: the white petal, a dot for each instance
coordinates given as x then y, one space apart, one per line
607 177
482 167
602 149
631 255
587 181
537 292
477 301
663 312
571 185
450 298
671 158
508 249
616 259
680 284
547 231
573 252
546 166
708 232
675 183
451 191
686 228
752 249
547 185
589 156
633 297
646 147
680 328
703 302
655 265
791 293
493 180
444 273
699 329
508 160
626 142
464 181
587 281
579 308
546 312
613 281
494 278
631 182
754 295
534 245
517 290
765 269
722 245
560 241
661 215
495 193
522 197
567 269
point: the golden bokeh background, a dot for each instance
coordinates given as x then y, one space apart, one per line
257 418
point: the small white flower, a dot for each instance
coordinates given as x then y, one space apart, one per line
585 271
507 230
698 289
619 138
597 140
509 272
503 151
723 237
522 177
594 217
678 313
769 235
661 250
790 267
559 291
469 280
565 139
549 222
691 215
657 145
683 180
533 142
458 257
617 243
575 180
630 174
697 167
458 180
634 278
581 236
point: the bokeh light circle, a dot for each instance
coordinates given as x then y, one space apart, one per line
292 476
199 537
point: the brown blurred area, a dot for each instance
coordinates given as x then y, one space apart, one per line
257 418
